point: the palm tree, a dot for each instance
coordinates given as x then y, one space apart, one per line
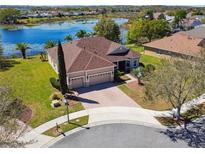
22 47
68 38
50 44
81 33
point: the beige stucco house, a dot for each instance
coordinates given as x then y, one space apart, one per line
93 60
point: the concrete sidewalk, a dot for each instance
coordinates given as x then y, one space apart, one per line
106 114
97 115
132 79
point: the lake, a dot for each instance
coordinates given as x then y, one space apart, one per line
37 36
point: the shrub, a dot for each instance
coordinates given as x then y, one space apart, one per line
118 74
55 83
43 57
56 96
149 68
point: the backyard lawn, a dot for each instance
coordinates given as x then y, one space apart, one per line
29 80
145 59
136 47
137 95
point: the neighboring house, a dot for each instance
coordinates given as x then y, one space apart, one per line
197 32
190 24
93 60
181 44
198 17
169 19
156 15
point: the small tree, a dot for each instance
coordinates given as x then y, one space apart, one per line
68 38
23 47
179 15
177 81
10 113
149 68
62 70
81 34
107 28
139 73
50 44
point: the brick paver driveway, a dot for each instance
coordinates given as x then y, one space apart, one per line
104 95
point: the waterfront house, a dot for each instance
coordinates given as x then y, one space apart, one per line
93 60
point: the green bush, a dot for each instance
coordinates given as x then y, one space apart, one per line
118 74
149 68
56 96
55 83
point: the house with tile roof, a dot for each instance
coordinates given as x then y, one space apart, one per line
181 44
93 60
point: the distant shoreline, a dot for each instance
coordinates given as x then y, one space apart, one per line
38 21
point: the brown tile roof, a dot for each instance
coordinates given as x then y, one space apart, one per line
90 53
197 32
178 43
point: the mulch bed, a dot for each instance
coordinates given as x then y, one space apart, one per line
26 115
134 85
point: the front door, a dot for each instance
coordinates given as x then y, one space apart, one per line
122 66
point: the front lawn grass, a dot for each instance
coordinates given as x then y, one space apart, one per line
29 80
65 127
138 96
192 114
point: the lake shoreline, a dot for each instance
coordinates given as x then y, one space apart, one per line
38 21
36 36
47 21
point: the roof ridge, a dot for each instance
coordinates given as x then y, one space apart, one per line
99 56
89 62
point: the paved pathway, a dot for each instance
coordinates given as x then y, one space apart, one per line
132 79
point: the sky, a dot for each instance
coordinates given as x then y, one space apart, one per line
103 2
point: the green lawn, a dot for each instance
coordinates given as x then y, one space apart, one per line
65 127
138 96
29 81
136 48
145 59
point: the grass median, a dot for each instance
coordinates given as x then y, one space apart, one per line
65 127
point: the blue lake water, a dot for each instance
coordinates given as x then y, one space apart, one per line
36 36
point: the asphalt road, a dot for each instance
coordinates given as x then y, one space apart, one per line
119 136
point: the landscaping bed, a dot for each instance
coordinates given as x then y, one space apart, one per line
29 80
65 127
194 113
137 94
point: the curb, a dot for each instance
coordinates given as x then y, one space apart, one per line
53 141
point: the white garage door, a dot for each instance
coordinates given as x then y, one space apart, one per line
100 78
77 82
